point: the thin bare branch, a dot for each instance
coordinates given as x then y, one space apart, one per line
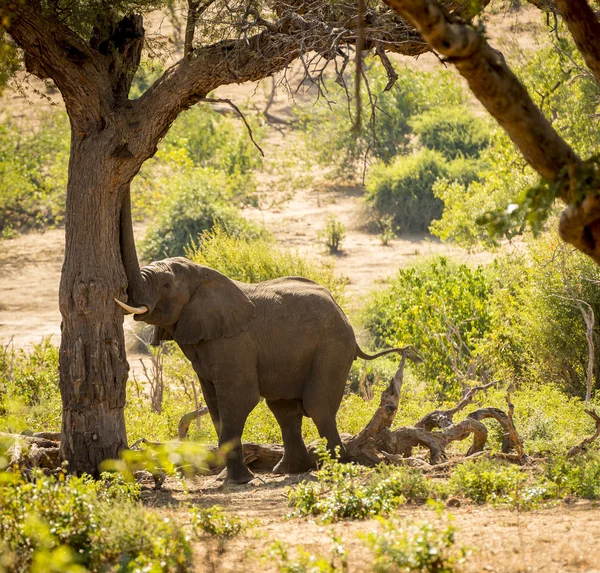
239 112
585 29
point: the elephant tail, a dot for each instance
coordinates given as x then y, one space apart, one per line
408 351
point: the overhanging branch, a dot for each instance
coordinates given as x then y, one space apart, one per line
507 100
585 29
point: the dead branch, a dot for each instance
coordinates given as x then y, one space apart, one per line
583 446
187 419
502 418
514 436
242 116
444 418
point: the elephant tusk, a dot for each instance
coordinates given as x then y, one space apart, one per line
132 309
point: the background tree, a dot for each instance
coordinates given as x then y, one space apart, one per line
575 180
91 51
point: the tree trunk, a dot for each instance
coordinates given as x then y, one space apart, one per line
93 365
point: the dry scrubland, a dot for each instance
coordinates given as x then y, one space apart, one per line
532 520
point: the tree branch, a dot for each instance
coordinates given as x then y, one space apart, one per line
319 27
54 51
585 29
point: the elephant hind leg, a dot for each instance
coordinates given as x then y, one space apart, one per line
296 459
323 395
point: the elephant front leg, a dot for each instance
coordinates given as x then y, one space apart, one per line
210 397
235 403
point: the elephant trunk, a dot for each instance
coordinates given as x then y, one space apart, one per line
136 287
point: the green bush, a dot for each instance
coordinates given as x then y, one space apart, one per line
433 306
452 130
413 547
568 104
333 235
198 201
215 521
77 523
486 481
403 189
306 562
33 172
256 260
539 334
578 476
342 492
348 491
29 394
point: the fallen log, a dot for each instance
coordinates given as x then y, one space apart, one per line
184 424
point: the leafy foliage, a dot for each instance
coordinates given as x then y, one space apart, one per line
414 547
33 172
329 128
306 562
29 394
215 521
198 201
431 306
78 524
508 195
256 260
538 329
349 491
333 235
403 189
453 131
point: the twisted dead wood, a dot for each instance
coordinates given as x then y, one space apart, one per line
583 446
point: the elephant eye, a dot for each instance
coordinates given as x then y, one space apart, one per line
167 286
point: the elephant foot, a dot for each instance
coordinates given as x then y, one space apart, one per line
294 465
237 475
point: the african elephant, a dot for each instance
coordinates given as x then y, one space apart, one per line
285 340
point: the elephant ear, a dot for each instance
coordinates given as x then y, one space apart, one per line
216 309
159 335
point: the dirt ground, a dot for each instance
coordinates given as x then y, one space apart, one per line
563 538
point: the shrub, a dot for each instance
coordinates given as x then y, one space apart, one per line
29 394
91 524
539 334
199 200
429 306
579 476
345 491
416 547
333 235
215 521
452 130
386 229
403 189
486 481
255 260
306 562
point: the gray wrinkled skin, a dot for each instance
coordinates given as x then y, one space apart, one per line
285 340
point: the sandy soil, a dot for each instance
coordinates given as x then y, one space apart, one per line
562 538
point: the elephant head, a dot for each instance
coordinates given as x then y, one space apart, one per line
188 302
